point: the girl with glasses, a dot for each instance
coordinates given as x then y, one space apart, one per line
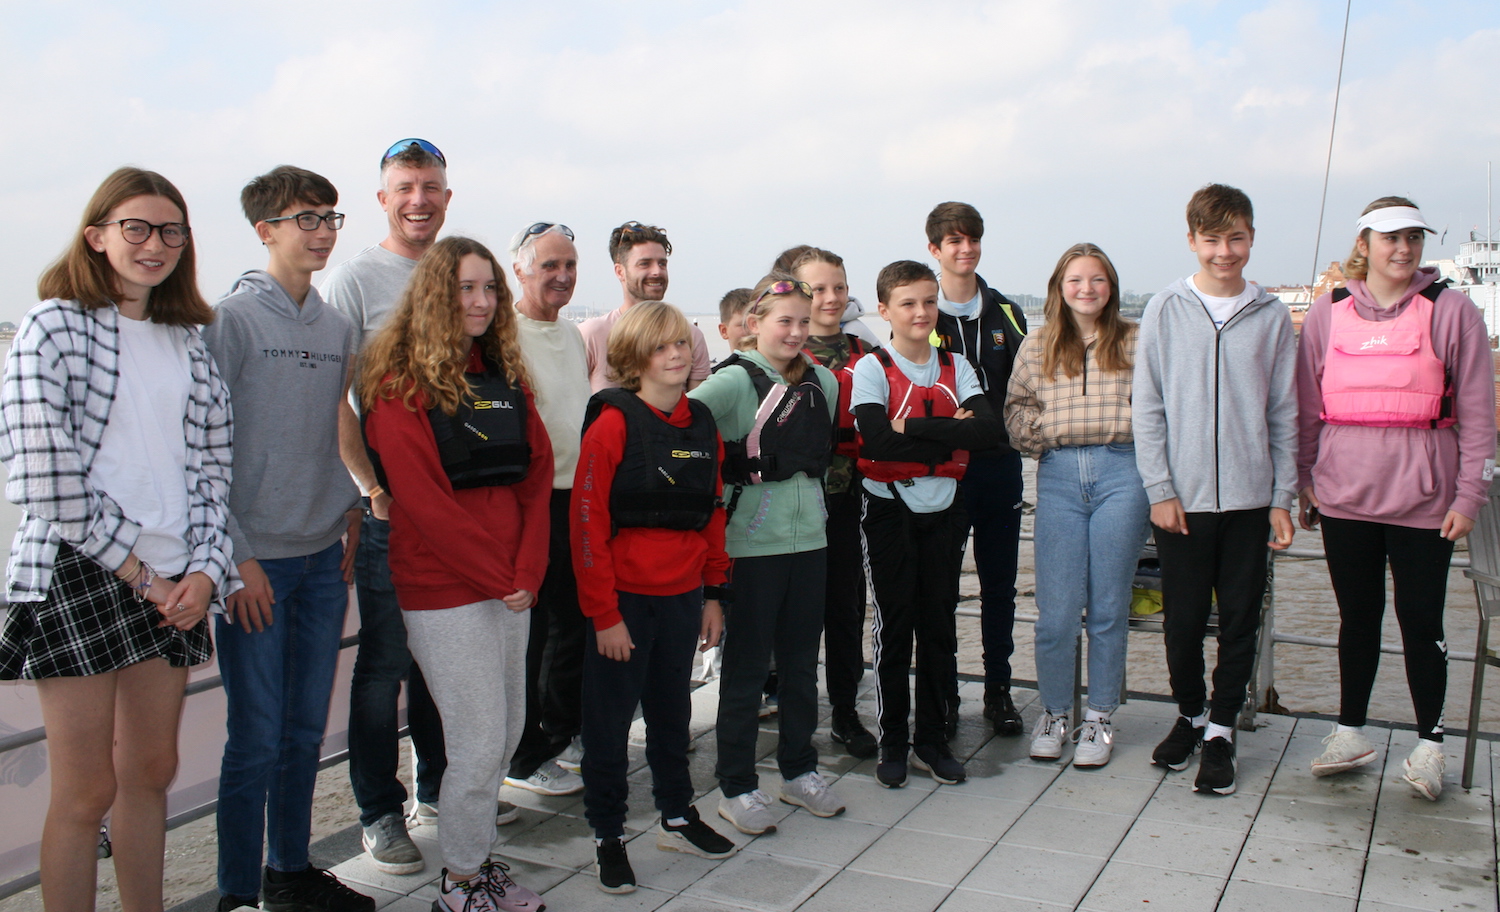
115 427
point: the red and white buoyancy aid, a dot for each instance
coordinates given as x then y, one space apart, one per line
845 441
1385 374
907 400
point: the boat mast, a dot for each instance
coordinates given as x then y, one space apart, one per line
1328 163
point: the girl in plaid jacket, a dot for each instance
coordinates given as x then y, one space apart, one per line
115 429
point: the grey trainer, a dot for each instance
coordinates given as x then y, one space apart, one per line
390 848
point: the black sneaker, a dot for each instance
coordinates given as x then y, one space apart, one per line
615 873
230 903
1178 747
1216 769
694 837
891 770
312 890
850 732
938 760
1001 710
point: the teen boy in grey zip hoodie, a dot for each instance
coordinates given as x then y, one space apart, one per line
1214 410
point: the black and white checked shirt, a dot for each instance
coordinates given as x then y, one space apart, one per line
60 381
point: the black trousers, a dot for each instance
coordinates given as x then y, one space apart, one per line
844 602
913 560
664 629
778 606
1223 555
1357 556
554 655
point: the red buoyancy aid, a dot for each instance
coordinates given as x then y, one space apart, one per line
907 400
845 441
1385 374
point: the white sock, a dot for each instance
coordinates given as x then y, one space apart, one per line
677 821
1094 715
1199 720
1351 729
1218 731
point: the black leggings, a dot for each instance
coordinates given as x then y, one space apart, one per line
1357 555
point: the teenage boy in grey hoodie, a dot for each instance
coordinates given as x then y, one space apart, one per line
1214 411
285 357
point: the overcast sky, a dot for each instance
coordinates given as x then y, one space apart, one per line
743 128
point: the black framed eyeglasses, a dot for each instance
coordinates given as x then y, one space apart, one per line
541 228
138 231
781 288
401 145
309 221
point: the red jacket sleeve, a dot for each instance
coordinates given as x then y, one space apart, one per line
599 455
494 554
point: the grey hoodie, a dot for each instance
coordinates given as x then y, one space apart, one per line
285 368
1215 410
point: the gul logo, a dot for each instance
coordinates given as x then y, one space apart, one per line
1374 342
492 404
689 454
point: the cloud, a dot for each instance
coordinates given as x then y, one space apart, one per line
745 127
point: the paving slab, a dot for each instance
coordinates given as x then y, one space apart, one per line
1069 830
1027 873
1422 884
1301 865
1311 821
1180 847
762 882
581 891
865 892
1247 896
928 857
832 841
961 813
974 901
1121 887
1449 841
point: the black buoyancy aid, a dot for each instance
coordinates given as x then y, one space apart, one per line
483 443
792 433
906 399
666 478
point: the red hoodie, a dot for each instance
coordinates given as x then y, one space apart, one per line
639 560
452 548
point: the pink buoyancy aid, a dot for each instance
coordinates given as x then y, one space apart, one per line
1385 374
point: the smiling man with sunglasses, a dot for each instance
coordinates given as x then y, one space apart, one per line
414 194
291 504
640 255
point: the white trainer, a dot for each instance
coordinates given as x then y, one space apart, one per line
749 812
571 758
1095 741
812 791
1424 769
1342 751
549 779
1049 736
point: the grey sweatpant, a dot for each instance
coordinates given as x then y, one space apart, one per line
474 660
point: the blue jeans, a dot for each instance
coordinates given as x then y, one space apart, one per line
992 492
382 662
277 684
1091 521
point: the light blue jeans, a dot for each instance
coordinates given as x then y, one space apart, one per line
1091 521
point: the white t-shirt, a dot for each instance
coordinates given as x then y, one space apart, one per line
1221 309
142 458
932 493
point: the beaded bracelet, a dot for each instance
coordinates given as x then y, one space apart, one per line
143 585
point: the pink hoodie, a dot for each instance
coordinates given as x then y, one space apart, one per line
1402 476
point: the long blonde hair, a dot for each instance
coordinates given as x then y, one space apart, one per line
1062 345
423 346
1358 265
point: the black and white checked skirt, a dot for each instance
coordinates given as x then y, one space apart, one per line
91 623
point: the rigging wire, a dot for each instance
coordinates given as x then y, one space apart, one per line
1328 163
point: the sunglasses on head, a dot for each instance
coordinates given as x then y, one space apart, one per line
541 228
781 288
401 145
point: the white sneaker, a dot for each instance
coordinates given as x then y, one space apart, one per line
571 758
426 814
1344 751
812 791
750 812
1049 736
1095 741
549 779
1424 769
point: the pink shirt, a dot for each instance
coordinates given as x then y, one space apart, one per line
596 343
1402 476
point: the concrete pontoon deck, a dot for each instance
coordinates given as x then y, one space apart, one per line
1028 835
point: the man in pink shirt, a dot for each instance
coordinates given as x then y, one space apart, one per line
640 256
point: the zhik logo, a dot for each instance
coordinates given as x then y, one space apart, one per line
1374 342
